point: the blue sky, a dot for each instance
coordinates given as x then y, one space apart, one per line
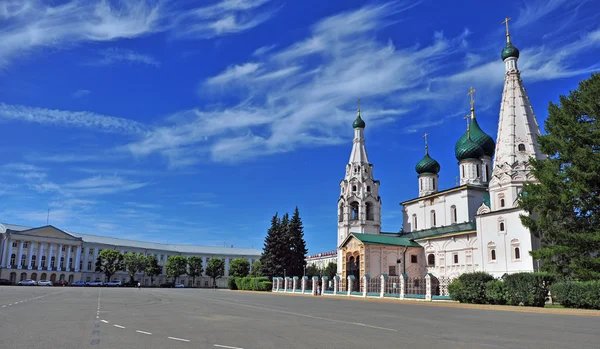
176 122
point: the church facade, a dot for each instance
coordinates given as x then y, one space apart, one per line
474 226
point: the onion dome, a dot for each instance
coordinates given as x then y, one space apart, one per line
427 165
509 51
358 122
483 139
466 148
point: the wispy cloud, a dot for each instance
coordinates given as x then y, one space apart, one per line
101 185
81 119
80 93
204 204
120 55
142 205
263 49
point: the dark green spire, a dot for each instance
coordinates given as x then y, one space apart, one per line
509 50
427 165
358 122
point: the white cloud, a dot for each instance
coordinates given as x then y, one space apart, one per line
117 55
81 93
100 185
20 166
233 73
263 49
81 119
204 204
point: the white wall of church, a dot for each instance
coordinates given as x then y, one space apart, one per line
505 243
465 202
452 256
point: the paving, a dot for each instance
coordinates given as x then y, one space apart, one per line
57 317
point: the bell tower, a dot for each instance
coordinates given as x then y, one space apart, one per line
359 204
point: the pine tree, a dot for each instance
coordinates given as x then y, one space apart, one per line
270 261
564 206
283 254
297 246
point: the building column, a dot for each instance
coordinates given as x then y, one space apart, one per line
69 247
18 259
39 255
77 257
226 267
60 246
205 263
10 251
30 255
86 257
49 257
6 252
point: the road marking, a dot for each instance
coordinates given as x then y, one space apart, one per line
4 306
302 315
10 304
179 339
119 326
224 346
144 332
104 321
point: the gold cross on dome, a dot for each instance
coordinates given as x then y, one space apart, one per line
506 22
471 93
426 146
358 102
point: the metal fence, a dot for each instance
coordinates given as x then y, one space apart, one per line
342 285
392 286
416 287
374 286
309 286
439 286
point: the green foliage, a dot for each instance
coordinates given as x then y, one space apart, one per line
330 270
313 270
296 255
496 292
577 294
176 266
470 287
134 263
564 205
152 267
256 268
272 259
215 269
194 268
109 262
250 284
231 283
239 267
529 289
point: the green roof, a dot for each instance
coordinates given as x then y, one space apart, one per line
385 240
509 51
427 165
358 123
483 139
466 148
440 231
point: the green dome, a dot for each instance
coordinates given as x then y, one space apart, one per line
510 51
466 148
483 139
427 165
358 123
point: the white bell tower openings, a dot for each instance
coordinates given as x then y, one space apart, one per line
427 169
518 130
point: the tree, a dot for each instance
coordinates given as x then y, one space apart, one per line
194 268
272 258
313 270
109 262
239 267
564 205
296 252
176 266
330 270
256 268
215 269
152 267
133 263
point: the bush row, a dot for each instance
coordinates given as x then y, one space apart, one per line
529 289
248 283
577 294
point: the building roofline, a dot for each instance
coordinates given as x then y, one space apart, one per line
445 191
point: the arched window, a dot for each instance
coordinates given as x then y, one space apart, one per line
517 253
477 169
62 262
501 199
70 263
432 214
353 188
433 183
369 211
493 255
516 249
12 259
501 226
341 213
33 258
368 188
23 258
491 252
414 221
354 211
431 260
501 202
521 147
487 172
463 170
43 261
453 214
52 261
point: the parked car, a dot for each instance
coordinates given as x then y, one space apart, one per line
94 283
61 283
130 284
167 285
179 286
27 282
44 283
4 282
79 283
117 283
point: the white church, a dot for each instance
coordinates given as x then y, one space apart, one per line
474 226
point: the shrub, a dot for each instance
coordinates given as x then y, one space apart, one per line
577 294
231 283
470 287
529 289
496 292
252 283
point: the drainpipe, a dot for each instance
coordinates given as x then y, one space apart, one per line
404 260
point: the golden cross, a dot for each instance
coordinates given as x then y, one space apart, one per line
467 117
358 104
506 22
471 93
426 146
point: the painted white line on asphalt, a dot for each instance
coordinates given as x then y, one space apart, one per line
144 332
104 321
4 306
224 346
179 339
10 304
119 326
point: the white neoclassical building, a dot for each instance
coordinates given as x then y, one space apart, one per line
49 253
474 226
